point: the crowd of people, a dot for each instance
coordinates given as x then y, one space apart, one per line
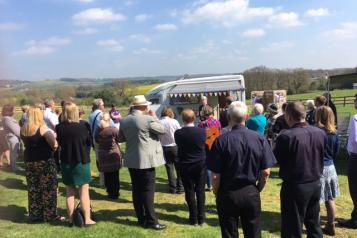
231 157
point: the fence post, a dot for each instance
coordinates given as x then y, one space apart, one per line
344 101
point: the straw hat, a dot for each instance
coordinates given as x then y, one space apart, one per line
140 100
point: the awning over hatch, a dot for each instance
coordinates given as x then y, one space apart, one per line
206 88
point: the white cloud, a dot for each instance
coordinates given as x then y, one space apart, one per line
254 33
320 12
97 16
52 41
166 27
36 50
208 48
346 31
44 47
142 17
226 13
284 19
277 46
87 31
85 1
147 51
140 38
111 44
10 26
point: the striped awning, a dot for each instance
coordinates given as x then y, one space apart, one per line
206 88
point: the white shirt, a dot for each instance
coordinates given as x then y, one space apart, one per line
352 138
171 125
51 118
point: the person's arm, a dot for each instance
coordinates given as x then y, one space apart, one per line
12 126
49 137
96 137
216 180
154 125
263 179
121 136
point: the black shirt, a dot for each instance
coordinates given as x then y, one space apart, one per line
73 138
223 118
36 147
300 153
191 144
280 124
239 156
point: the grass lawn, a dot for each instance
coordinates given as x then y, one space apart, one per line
117 218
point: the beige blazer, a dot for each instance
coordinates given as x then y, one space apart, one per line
141 134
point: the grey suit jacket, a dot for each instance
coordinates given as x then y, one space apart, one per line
141 134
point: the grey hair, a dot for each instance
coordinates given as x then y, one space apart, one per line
237 111
49 102
258 109
310 104
97 102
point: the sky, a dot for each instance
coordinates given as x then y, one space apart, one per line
49 39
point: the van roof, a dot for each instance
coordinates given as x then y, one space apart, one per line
200 84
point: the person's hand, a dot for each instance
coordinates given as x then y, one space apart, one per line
152 113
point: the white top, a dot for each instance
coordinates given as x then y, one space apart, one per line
51 118
170 125
352 139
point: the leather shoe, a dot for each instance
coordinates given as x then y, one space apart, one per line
157 227
348 224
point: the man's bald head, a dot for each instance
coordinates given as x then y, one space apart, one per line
188 116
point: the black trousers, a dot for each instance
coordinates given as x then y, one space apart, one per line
170 154
112 183
300 205
243 203
352 183
56 156
143 186
194 179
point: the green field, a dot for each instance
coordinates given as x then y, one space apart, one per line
117 218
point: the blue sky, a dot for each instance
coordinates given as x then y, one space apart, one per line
41 39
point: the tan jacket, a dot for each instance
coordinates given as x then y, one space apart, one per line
141 134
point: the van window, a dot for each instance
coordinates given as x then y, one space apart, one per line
155 100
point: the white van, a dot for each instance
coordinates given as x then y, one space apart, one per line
186 93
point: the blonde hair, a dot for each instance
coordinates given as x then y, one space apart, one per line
35 120
70 112
325 118
105 122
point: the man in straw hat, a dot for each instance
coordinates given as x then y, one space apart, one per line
141 130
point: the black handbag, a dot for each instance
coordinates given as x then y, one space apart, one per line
78 216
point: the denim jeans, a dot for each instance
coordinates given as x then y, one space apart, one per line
14 150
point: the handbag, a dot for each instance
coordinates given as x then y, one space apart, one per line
78 216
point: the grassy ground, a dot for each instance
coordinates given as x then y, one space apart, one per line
117 218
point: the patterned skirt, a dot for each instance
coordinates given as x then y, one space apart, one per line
329 184
41 179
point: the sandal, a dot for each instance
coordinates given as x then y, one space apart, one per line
59 218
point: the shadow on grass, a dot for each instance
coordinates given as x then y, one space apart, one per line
13 183
341 165
13 213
